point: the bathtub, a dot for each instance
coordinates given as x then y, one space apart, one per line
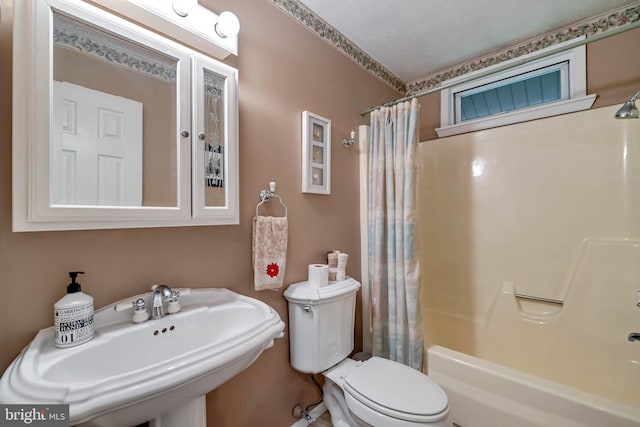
486 394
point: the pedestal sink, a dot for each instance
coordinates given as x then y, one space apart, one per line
131 373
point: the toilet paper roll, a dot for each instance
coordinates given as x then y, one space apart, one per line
318 275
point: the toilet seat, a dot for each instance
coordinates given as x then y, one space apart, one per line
395 390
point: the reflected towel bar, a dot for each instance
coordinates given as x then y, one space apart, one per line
540 299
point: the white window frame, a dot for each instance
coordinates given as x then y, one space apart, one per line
573 89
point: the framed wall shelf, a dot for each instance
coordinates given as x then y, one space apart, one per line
316 154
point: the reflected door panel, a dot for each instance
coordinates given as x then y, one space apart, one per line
96 148
98 59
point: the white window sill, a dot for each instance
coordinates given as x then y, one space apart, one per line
539 112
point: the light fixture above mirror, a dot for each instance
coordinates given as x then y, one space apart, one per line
184 20
228 25
183 7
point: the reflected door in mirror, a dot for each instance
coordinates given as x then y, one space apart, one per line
91 59
96 148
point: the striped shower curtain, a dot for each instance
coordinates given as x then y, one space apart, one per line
394 273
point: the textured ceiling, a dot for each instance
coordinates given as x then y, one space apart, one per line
417 38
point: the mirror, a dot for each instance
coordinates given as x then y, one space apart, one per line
128 113
112 130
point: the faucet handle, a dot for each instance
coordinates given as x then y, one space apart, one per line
140 314
127 305
173 306
180 292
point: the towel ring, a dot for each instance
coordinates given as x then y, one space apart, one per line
267 195
265 201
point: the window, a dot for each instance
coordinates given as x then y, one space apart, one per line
546 87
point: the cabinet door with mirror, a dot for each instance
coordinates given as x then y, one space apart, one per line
116 126
212 152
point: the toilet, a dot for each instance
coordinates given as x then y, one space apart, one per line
375 392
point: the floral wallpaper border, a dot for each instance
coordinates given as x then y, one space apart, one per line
613 19
335 38
601 23
80 39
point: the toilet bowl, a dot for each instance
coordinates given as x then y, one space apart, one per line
375 392
380 392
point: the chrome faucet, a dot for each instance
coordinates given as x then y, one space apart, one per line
160 293
164 300
634 336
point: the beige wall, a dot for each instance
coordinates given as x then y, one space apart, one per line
283 70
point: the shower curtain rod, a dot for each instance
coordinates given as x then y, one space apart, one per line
516 63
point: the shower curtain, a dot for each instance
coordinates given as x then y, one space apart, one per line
394 273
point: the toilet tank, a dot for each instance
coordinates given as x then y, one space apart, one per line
321 324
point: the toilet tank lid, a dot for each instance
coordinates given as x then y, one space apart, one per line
303 292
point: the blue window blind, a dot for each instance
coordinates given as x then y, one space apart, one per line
518 92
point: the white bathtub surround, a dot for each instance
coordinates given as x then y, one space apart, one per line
582 343
485 394
394 272
363 161
549 209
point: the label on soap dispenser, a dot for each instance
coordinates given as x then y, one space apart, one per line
73 325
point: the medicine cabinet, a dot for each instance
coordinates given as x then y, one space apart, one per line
115 126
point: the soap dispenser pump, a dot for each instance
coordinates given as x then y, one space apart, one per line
73 315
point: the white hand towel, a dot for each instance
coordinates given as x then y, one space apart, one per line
269 251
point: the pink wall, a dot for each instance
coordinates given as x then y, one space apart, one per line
283 70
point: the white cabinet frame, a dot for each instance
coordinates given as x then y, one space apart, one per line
32 103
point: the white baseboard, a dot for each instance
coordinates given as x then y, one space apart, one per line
315 413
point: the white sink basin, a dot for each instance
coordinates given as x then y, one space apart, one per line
130 373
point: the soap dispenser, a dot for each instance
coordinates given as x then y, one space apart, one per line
73 315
